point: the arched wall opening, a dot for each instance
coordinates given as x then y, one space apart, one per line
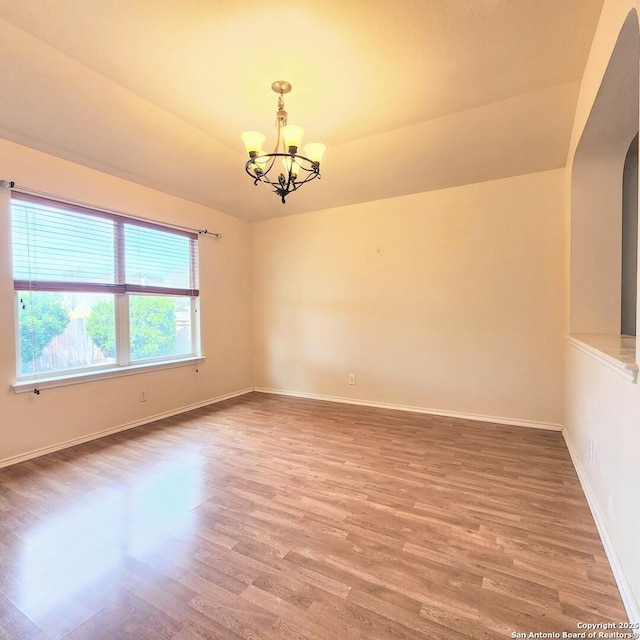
596 265
629 303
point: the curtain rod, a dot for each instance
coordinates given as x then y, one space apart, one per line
10 184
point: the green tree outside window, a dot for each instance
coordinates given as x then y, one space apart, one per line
42 316
152 327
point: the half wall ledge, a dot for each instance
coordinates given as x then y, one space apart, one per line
618 352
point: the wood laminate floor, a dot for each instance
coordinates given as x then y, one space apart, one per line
267 517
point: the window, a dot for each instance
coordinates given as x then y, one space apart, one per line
96 290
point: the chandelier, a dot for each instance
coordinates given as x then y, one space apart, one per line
295 169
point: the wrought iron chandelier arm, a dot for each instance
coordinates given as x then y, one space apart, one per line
285 182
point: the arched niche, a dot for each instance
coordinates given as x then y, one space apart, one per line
597 192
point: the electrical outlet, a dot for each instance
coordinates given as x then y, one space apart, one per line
591 451
352 378
142 396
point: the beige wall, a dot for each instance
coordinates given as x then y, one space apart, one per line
450 300
28 422
600 405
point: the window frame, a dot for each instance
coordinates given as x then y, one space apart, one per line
121 291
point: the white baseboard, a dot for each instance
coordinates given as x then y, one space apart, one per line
549 426
626 593
36 453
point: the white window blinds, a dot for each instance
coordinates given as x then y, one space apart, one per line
63 247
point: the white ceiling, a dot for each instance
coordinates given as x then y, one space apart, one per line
408 95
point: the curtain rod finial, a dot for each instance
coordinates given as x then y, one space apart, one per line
206 232
7 184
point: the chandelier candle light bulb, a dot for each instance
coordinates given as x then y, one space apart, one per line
292 167
314 151
260 162
292 136
298 168
253 141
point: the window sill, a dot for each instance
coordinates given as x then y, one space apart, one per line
618 352
62 380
